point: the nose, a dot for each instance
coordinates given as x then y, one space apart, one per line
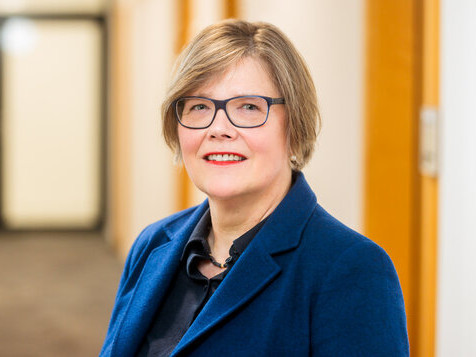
221 127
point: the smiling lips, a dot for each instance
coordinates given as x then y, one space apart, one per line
228 158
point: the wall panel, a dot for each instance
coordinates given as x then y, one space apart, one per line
457 186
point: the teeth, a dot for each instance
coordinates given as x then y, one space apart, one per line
226 157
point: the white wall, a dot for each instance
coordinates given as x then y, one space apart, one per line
330 35
151 162
456 311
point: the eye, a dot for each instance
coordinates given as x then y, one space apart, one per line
198 107
249 106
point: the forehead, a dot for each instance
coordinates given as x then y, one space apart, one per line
247 76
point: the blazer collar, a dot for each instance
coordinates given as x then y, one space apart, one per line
286 222
284 226
281 232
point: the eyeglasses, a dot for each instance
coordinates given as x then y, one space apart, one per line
248 111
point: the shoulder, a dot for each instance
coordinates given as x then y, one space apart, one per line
157 234
154 229
336 245
342 263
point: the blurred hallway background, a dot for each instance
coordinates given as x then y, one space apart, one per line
83 167
56 294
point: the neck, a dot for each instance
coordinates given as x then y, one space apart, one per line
231 218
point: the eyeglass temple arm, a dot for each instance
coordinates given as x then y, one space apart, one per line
277 101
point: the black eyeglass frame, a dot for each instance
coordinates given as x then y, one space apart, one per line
221 104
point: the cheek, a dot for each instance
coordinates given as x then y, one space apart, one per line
279 138
272 145
189 142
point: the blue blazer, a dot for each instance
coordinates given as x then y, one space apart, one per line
305 285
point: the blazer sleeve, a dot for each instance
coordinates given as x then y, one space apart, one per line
359 310
126 285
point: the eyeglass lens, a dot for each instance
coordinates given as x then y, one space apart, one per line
242 111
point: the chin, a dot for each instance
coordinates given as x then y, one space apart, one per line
222 194
224 191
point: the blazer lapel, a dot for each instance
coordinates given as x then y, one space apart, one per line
258 267
155 278
280 233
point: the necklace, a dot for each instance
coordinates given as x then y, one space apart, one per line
222 266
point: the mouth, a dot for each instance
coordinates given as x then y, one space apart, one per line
224 158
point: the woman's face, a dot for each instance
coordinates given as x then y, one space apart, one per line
263 168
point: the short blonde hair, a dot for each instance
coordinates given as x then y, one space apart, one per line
221 45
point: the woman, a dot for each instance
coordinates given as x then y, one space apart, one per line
258 269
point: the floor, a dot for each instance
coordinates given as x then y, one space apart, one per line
56 294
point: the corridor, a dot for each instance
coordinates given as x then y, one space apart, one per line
56 294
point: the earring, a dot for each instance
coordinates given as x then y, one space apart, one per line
293 158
